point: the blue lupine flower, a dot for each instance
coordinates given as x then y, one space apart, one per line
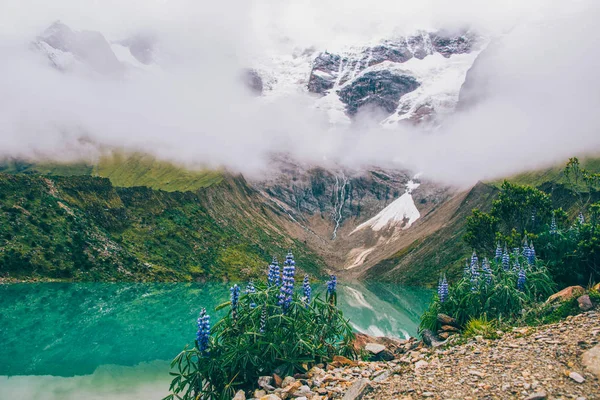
531 258
526 249
498 252
332 285
474 260
273 277
250 289
553 226
287 286
581 219
203 331
521 280
505 259
487 271
306 289
443 289
516 265
235 299
474 273
263 321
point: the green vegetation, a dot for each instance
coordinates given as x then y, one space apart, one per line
481 327
83 228
128 170
268 329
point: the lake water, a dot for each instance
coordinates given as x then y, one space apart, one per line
92 341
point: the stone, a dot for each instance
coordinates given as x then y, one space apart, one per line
444 319
430 339
385 355
374 348
449 328
239 395
428 394
287 381
340 361
314 371
270 397
302 398
382 377
358 390
584 303
277 379
290 389
258 393
421 364
591 360
576 377
537 396
265 382
566 294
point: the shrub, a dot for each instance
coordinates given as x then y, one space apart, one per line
481 327
270 327
497 289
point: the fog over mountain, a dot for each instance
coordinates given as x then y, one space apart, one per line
171 78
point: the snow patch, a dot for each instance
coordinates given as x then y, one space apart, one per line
400 210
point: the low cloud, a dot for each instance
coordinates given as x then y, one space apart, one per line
538 84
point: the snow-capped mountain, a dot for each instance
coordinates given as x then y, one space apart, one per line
90 52
414 78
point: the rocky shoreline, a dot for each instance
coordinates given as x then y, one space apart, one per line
556 361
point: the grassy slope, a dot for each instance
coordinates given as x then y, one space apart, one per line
144 170
83 228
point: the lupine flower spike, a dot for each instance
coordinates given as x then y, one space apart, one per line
273 277
332 289
531 258
474 272
250 290
235 299
485 267
443 289
505 259
521 280
263 321
498 253
203 332
287 287
307 290
581 219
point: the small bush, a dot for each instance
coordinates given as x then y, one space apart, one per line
269 328
481 327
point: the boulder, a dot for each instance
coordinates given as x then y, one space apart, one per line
392 344
585 303
264 382
566 294
591 360
239 395
430 339
444 319
374 348
358 390
340 361
287 381
449 328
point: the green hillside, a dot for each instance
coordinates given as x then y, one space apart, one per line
84 228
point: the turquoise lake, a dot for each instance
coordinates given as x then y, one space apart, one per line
114 340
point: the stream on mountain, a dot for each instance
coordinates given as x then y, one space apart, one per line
115 340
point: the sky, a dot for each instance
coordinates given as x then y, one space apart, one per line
538 105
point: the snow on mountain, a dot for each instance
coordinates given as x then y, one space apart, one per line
414 78
401 211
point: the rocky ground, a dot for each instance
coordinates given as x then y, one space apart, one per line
557 361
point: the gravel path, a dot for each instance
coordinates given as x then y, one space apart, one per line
528 363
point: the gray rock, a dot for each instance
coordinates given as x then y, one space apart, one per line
383 376
253 81
591 360
444 319
537 396
358 390
576 377
239 395
265 383
287 381
585 303
430 339
378 89
374 348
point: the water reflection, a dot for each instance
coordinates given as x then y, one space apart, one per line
68 329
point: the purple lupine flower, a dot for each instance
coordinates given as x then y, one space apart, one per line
505 259
553 226
581 219
521 280
203 331
474 260
526 249
307 290
235 299
263 320
531 258
250 290
287 286
498 253
332 285
273 277
487 271
443 289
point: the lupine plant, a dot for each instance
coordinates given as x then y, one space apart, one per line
492 290
260 336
